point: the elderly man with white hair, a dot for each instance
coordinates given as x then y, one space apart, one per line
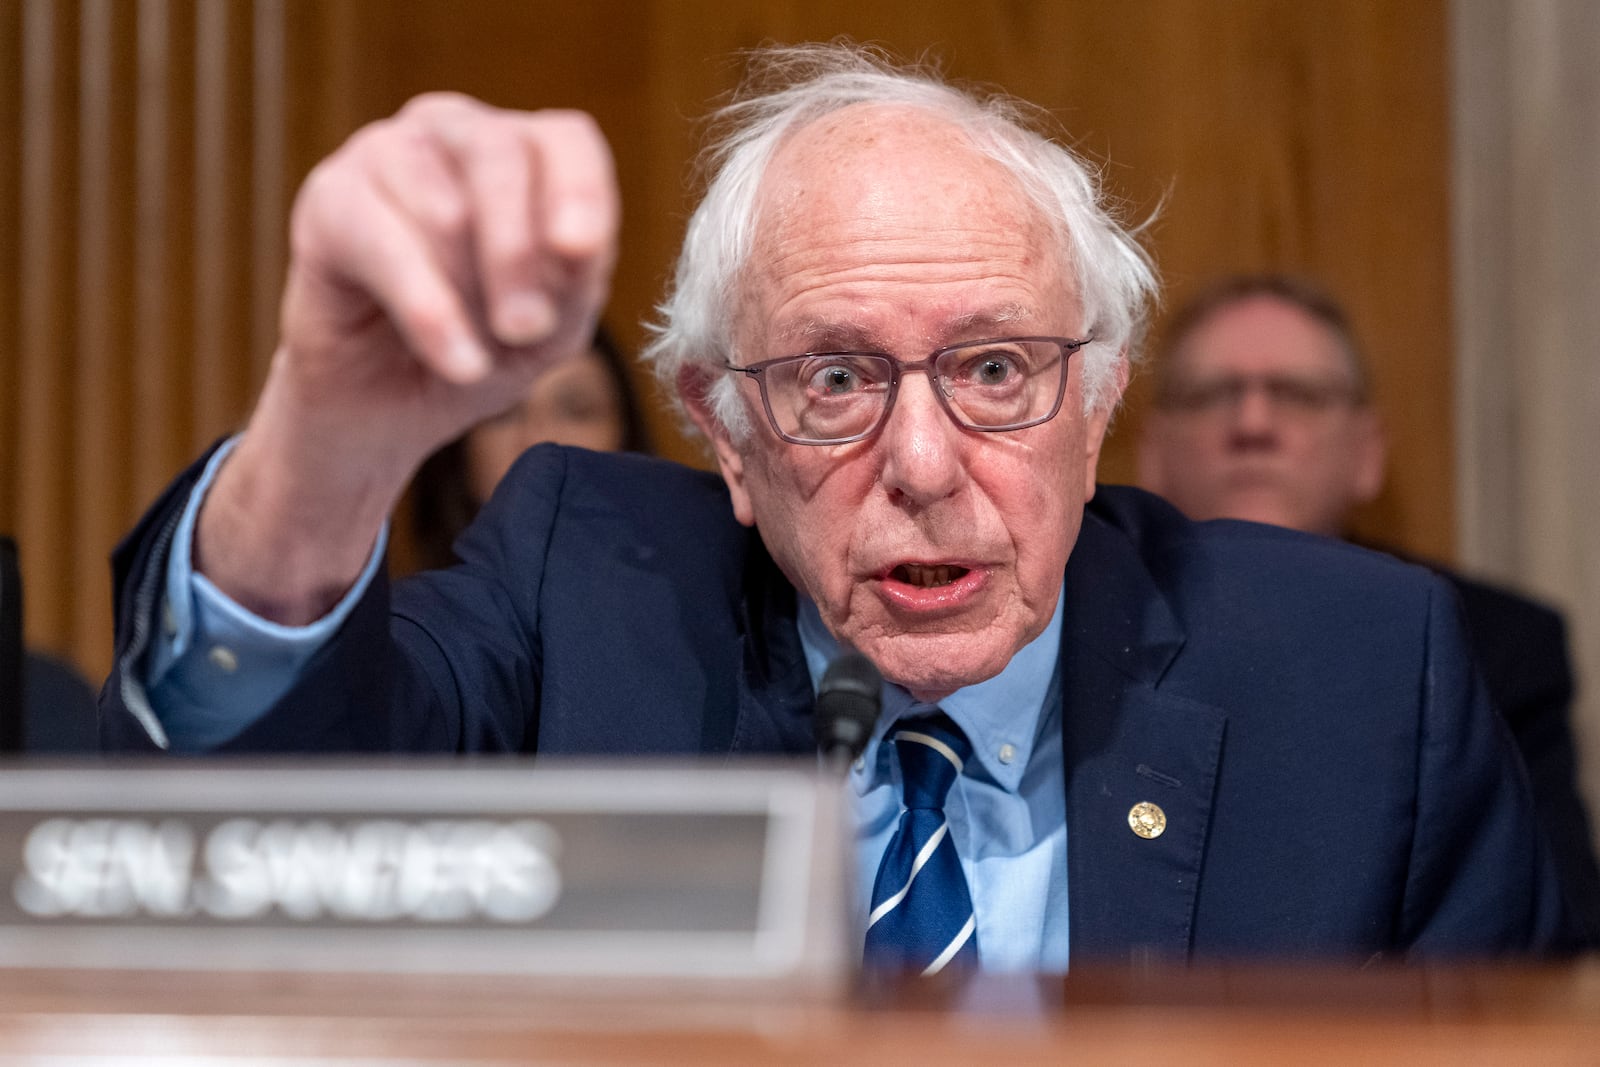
902 318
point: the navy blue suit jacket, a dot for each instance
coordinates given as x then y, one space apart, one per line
1521 647
1304 711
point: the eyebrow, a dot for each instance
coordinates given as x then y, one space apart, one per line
820 335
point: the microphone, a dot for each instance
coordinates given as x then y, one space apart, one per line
849 698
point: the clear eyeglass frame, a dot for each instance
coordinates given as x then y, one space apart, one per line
896 370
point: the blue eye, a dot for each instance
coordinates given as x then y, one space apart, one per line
986 367
993 370
835 380
839 375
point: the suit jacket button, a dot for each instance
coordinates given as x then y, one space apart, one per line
1147 819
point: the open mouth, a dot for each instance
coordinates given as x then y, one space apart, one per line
927 575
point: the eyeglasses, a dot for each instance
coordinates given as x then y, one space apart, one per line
1289 395
833 398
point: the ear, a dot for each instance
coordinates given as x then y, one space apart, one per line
693 384
1371 457
1099 421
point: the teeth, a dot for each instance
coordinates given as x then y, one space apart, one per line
927 575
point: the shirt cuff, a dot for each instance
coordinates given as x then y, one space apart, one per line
217 667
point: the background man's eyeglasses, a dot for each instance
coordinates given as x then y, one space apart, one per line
1289 395
833 398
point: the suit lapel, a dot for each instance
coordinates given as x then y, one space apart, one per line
775 697
1127 745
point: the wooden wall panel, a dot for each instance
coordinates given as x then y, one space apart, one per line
151 149
100 416
46 332
161 344
10 249
269 179
129 333
222 239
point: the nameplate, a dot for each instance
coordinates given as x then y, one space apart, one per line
482 867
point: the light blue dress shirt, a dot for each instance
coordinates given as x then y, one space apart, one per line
1007 811
216 668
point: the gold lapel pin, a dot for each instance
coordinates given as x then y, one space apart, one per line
1147 819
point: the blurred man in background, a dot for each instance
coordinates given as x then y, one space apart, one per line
1263 412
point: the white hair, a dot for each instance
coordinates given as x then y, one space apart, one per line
791 87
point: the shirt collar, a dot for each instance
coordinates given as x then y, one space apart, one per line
999 715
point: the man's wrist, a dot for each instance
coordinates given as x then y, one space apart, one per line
293 518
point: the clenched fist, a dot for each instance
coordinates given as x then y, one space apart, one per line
439 260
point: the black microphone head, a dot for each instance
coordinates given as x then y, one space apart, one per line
849 698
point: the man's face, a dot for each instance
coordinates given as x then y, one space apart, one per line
1261 422
937 551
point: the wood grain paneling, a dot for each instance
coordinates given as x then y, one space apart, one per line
269 179
47 331
151 149
222 240
162 339
10 250
100 415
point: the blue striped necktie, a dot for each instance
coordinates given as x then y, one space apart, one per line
922 918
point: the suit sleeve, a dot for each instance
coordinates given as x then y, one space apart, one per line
1522 646
447 662
1481 880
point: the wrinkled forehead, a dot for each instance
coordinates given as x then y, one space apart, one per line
874 183
1260 335
880 159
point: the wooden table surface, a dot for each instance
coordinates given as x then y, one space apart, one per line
1234 1015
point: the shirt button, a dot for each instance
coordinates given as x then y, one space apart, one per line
223 659
1008 752
169 619
860 764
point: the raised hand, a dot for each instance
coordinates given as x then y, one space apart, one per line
439 260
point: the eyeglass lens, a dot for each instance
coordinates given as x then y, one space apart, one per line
1286 393
990 385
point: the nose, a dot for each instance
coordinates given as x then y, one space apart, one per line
922 445
1254 421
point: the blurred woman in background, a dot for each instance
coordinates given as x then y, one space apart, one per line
588 402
